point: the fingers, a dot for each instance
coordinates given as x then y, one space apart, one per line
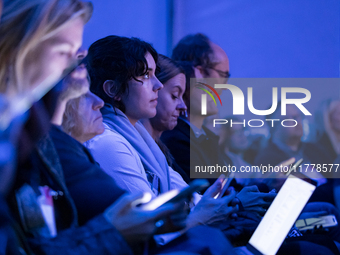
163 211
214 189
123 204
287 162
227 199
267 196
253 188
235 201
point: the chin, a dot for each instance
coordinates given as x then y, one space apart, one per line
172 126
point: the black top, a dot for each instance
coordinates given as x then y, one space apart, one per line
90 187
190 151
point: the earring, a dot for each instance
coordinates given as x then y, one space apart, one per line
185 113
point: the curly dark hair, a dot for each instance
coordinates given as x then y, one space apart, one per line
119 59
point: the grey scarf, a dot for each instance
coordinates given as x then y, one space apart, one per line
153 159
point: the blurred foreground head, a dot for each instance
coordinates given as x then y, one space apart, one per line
39 41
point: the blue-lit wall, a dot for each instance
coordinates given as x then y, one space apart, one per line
263 38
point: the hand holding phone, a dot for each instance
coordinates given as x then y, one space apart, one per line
225 185
175 196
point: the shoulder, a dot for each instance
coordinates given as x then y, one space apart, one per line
109 140
181 133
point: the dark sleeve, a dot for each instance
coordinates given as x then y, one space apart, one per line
91 189
98 236
179 146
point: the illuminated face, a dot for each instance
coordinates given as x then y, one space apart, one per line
216 75
46 63
141 100
170 104
238 139
334 118
88 118
286 133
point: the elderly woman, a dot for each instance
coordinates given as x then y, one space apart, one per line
83 120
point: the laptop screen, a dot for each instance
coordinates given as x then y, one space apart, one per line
281 215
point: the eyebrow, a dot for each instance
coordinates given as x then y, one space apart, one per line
56 41
179 87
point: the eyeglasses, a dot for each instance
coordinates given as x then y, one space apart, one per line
222 74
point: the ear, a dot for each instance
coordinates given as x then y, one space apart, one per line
199 71
109 87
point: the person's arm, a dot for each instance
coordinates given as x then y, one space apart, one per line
98 236
120 160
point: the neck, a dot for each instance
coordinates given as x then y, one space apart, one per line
80 139
132 121
196 120
155 134
57 118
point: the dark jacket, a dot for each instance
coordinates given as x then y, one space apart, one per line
327 147
273 155
190 151
96 236
91 189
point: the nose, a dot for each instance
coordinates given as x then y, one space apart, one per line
157 85
182 106
98 103
81 53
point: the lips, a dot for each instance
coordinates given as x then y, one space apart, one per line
99 117
154 101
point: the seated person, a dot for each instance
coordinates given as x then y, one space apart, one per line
286 143
169 107
330 130
234 142
92 190
120 227
135 162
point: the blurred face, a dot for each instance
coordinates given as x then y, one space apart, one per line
45 64
238 139
217 73
286 133
334 118
221 64
170 104
88 120
196 98
141 100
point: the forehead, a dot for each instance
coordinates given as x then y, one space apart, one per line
150 60
176 81
219 53
70 33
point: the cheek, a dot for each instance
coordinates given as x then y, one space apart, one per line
165 107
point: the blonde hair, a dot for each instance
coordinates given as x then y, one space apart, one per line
70 116
24 24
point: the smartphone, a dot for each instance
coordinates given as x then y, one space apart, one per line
294 170
225 184
295 166
310 223
174 196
